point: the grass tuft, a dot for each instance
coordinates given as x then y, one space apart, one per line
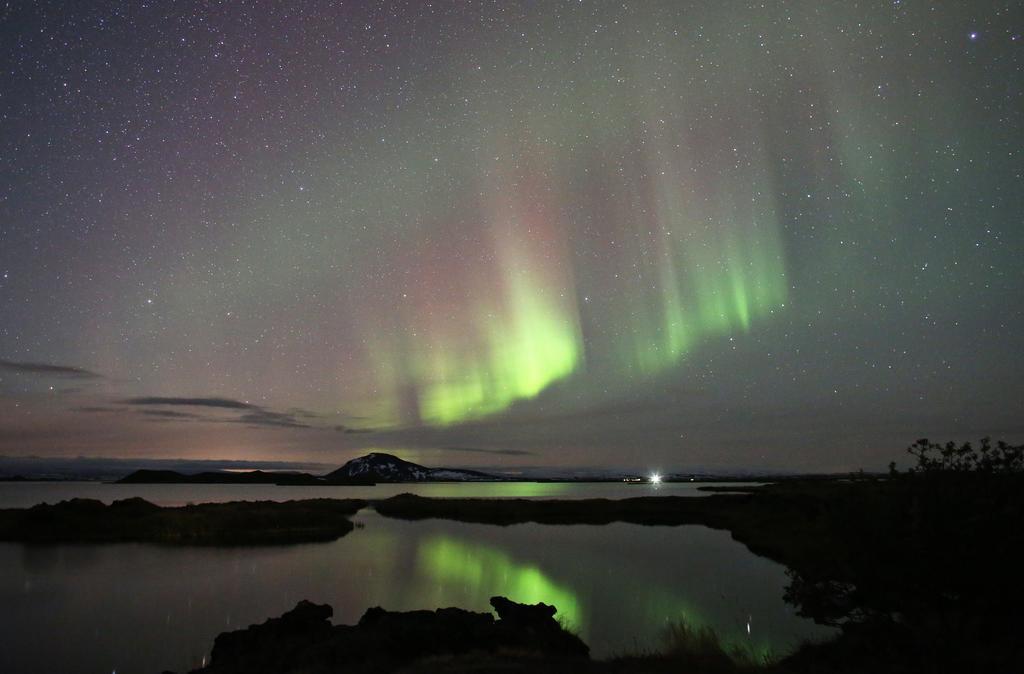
699 648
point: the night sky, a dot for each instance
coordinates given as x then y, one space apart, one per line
781 235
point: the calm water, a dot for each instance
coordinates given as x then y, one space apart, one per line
144 608
25 494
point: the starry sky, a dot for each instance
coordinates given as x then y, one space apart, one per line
648 233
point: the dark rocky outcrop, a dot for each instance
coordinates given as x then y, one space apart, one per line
303 640
272 644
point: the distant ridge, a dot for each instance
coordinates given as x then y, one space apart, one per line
365 470
149 476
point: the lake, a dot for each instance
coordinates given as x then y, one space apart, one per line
130 608
26 494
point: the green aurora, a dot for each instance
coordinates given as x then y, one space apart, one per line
646 233
557 240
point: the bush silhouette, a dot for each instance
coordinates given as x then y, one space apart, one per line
950 457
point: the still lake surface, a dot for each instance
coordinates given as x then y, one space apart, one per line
143 608
27 494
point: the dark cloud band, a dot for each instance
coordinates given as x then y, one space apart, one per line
48 369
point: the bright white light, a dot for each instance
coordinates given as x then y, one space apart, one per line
655 479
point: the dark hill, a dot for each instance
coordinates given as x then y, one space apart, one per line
380 467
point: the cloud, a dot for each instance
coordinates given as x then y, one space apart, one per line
48 369
222 403
302 413
169 414
254 415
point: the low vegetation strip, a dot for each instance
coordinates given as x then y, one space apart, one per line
769 521
138 520
668 510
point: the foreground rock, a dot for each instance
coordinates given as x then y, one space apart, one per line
303 640
134 519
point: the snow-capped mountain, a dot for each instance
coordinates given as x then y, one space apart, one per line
379 467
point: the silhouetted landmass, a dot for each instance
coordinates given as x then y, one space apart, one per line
148 476
303 640
667 510
381 467
363 471
134 519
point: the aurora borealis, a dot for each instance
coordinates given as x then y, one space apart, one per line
656 234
